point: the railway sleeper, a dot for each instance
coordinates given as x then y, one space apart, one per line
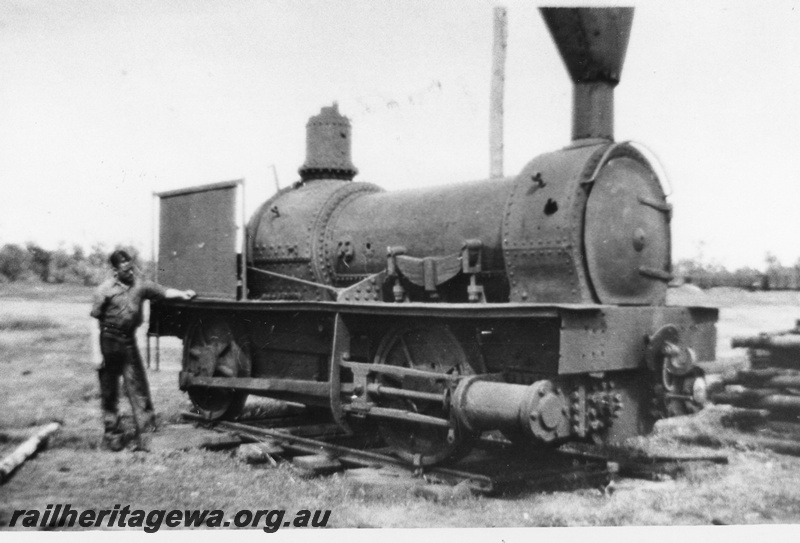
498 468
494 467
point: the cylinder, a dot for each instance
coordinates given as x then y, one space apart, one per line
539 411
486 405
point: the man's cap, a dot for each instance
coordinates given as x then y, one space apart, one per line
119 257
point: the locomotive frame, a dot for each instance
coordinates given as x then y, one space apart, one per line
524 311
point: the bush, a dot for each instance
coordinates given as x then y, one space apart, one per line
61 266
40 261
14 262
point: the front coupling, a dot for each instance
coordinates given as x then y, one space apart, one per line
539 411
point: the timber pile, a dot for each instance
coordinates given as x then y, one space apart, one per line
772 349
776 390
765 398
773 383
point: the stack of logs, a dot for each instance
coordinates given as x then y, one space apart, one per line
772 383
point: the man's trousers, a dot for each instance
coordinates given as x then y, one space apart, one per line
121 359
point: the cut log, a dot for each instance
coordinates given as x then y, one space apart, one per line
724 365
752 376
782 446
765 378
785 428
711 422
759 398
26 450
769 341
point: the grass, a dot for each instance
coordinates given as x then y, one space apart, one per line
27 324
44 353
37 291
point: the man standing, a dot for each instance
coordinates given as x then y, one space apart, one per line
118 306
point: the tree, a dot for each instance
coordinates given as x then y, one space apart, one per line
96 265
78 254
60 267
98 258
772 262
40 260
14 262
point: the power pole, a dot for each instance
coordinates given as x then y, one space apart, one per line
498 87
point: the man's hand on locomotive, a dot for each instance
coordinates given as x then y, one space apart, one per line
180 294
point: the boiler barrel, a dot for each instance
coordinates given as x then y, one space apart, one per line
586 224
434 221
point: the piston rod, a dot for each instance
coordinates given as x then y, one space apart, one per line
381 390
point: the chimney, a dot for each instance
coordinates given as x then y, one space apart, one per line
592 43
328 147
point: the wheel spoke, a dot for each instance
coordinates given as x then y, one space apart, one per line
223 349
406 352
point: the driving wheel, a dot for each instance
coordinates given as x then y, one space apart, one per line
431 348
211 350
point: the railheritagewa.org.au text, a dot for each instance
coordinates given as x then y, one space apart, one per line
57 516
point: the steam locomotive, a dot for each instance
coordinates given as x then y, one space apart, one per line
532 305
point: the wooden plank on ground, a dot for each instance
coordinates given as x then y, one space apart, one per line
316 464
180 437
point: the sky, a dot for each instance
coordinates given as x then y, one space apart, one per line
103 103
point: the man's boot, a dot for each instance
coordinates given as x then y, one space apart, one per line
114 441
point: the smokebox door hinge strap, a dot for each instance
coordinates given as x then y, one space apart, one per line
663 207
653 273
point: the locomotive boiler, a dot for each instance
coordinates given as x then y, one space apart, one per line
533 305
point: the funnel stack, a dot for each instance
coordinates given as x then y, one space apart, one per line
592 43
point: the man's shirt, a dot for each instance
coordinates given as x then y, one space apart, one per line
120 305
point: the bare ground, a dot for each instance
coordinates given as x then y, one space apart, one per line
44 350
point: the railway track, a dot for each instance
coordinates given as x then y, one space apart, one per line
492 467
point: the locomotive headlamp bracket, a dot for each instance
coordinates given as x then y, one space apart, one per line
658 344
664 350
